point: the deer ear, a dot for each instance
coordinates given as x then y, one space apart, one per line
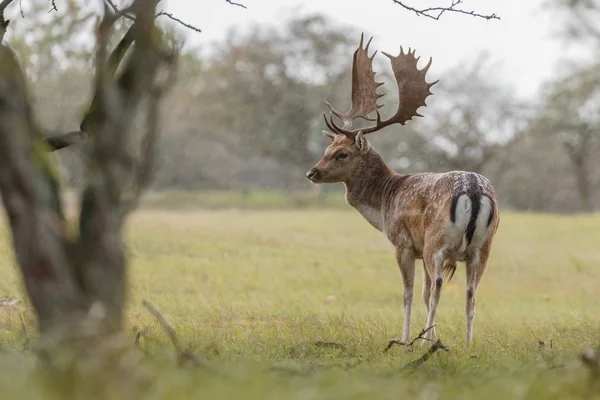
361 143
329 135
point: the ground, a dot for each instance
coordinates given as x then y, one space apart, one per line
252 290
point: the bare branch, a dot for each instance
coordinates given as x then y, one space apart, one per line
438 345
170 331
233 3
118 12
410 344
183 356
185 24
436 12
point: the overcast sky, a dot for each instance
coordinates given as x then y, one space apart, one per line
522 41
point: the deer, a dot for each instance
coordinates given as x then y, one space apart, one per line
440 218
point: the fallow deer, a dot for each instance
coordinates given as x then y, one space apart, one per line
441 218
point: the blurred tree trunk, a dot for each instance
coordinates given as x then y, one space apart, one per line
579 154
77 280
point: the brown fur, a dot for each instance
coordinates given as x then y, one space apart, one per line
415 213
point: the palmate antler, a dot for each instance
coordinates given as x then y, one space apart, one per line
412 91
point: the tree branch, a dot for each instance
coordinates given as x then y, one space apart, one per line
233 3
438 345
410 344
436 12
185 24
183 356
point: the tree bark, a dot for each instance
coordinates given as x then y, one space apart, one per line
77 281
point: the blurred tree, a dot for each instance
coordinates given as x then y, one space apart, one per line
580 21
467 124
49 42
572 117
262 93
76 279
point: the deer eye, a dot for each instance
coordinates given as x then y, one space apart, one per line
342 156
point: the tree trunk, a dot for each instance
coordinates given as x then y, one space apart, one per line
583 183
77 281
579 154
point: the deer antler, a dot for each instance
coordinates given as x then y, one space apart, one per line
413 89
364 87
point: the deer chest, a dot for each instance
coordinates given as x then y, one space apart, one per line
373 215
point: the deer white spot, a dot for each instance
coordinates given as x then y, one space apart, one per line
456 231
481 227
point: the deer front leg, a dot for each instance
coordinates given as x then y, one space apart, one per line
406 262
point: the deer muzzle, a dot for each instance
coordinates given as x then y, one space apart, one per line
313 175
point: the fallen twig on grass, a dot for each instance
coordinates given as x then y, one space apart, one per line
183 356
435 347
410 344
335 345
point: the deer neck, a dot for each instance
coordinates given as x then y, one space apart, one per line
366 191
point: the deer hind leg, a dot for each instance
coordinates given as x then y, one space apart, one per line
434 261
406 263
475 265
426 294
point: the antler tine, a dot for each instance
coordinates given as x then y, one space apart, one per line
333 127
368 43
413 90
364 89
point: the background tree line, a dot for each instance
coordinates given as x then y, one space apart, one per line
246 112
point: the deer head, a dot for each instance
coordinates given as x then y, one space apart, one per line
344 157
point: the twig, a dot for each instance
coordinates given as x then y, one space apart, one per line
335 345
183 356
233 3
167 328
436 12
185 24
410 344
117 11
435 347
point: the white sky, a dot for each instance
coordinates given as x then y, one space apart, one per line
522 41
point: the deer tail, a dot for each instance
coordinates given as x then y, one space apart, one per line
449 269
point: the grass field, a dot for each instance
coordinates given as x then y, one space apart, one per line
251 291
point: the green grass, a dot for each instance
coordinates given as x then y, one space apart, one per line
242 200
252 290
